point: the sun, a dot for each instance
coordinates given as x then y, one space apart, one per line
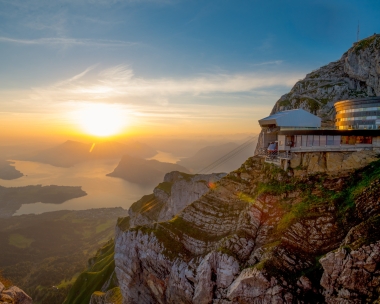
101 119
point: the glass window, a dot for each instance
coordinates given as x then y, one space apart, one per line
304 140
344 140
298 141
337 140
322 140
310 140
330 140
351 140
316 140
359 139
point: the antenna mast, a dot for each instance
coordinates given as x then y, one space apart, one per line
358 32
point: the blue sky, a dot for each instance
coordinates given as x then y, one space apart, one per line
169 57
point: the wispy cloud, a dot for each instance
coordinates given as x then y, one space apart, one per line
274 62
120 83
68 42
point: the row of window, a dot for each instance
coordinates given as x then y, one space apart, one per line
361 127
358 118
358 110
329 140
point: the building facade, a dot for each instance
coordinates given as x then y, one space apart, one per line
361 114
357 128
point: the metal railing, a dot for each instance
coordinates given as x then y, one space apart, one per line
274 156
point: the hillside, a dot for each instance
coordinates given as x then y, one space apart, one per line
141 171
72 152
43 254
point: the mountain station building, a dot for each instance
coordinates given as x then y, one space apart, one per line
357 127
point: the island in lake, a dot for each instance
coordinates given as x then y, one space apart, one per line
12 198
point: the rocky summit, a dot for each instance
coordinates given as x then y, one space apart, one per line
356 74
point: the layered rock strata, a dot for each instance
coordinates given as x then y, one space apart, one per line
260 236
13 295
171 196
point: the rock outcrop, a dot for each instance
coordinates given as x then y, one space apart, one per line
13 295
331 162
171 196
356 74
261 236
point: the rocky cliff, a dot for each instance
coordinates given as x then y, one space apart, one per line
98 283
13 295
171 196
261 235
355 74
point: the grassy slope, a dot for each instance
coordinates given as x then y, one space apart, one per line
94 277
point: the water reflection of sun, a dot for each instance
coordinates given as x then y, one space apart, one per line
101 119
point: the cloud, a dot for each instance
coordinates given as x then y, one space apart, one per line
68 42
121 84
274 62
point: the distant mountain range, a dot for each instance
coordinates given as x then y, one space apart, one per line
72 152
208 155
141 171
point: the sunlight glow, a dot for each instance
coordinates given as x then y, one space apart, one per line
101 119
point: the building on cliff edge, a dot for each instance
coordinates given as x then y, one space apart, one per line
285 133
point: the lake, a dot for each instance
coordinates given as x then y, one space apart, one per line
102 191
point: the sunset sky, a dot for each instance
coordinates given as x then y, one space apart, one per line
162 66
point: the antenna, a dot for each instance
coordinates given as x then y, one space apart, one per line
358 32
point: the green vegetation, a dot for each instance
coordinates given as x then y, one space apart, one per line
187 177
20 241
165 186
123 223
42 254
365 43
285 103
101 269
138 206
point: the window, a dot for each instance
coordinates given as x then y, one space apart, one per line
304 140
316 140
337 140
330 140
344 140
364 139
310 140
298 141
322 140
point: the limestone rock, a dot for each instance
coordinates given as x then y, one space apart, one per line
176 192
350 277
242 243
13 295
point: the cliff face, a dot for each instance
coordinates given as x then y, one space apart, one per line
355 75
171 196
261 236
13 295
